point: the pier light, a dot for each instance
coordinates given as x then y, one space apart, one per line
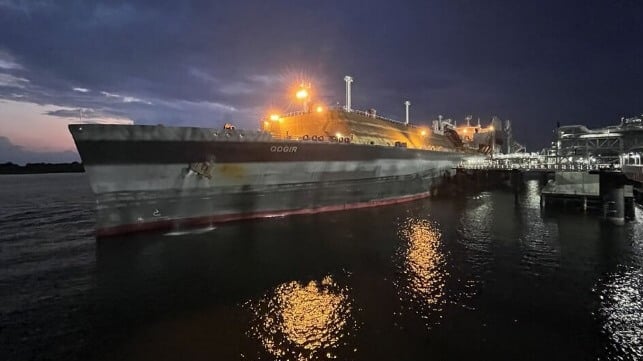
491 128
338 135
319 109
274 117
423 132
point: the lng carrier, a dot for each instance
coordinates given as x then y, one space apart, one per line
315 160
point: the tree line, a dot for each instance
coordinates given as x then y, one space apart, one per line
35 168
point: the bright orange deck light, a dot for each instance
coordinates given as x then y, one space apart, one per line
302 94
319 109
423 133
274 117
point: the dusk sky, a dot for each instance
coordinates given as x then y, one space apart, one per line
207 63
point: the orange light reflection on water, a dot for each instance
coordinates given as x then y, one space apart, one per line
422 267
303 322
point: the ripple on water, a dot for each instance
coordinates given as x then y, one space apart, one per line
474 231
538 251
304 321
621 311
421 268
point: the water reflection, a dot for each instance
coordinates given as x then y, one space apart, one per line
622 311
531 197
422 266
302 322
475 231
539 252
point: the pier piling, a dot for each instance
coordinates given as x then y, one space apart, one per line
612 194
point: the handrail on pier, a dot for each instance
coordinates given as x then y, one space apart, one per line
532 162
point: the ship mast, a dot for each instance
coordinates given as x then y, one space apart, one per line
348 80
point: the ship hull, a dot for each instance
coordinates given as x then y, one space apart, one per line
147 178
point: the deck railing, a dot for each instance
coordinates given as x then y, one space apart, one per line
341 108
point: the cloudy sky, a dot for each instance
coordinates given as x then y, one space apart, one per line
211 62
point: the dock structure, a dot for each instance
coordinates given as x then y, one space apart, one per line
605 191
592 170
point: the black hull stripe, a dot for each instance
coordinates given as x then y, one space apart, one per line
96 152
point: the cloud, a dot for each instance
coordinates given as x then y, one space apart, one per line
135 100
267 79
125 99
11 81
25 7
7 61
85 115
114 15
253 84
237 88
214 106
80 90
10 152
203 76
110 95
188 113
67 113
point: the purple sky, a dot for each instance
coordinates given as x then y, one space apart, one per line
207 63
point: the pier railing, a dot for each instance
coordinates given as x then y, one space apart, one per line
532 162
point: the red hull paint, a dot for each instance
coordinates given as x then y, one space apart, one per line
199 221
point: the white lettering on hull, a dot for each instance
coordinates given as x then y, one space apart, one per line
283 149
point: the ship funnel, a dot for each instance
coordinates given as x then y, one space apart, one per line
407 104
348 81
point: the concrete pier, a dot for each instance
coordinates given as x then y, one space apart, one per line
615 194
606 192
572 189
517 181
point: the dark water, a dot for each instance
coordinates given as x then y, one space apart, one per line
472 277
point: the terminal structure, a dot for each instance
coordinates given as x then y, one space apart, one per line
593 168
